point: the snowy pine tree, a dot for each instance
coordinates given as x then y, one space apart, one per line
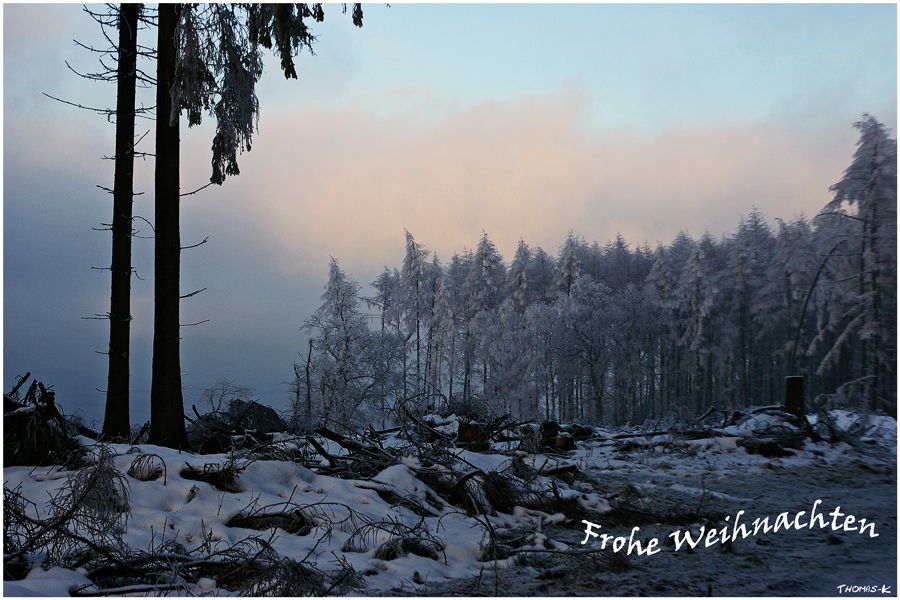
866 202
344 353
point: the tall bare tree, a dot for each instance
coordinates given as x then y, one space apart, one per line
119 65
116 422
166 401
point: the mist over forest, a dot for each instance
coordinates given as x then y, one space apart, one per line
612 334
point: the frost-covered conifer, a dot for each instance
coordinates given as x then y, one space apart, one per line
694 296
342 351
542 275
865 204
412 286
517 282
568 265
487 277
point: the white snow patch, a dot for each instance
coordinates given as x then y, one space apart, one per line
55 581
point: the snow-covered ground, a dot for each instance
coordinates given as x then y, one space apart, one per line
654 483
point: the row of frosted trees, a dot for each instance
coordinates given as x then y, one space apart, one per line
615 335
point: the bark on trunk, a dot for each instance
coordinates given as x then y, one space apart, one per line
117 420
166 401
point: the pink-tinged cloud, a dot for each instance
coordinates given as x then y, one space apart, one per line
345 182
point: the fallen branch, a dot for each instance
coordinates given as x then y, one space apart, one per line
690 435
352 445
331 458
559 470
711 410
82 592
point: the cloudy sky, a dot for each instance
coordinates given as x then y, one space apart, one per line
522 121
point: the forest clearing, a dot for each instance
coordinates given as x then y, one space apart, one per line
418 511
608 373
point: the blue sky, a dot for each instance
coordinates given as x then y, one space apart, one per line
520 120
646 65
650 65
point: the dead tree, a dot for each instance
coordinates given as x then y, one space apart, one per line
166 401
127 18
117 421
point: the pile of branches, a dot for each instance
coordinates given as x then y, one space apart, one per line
504 491
82 529
250 567
479 492
776 437
392 539
779 436
829 430
35 433
85 522
241 424
474 434
364 458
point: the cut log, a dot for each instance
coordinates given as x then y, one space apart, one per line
794 396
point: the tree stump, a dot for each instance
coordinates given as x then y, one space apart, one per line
794 396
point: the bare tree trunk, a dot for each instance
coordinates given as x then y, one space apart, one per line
166 401
418 342
117 420
309 381
467 368
874 248
451 363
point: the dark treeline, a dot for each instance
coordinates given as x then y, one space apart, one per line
612 335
